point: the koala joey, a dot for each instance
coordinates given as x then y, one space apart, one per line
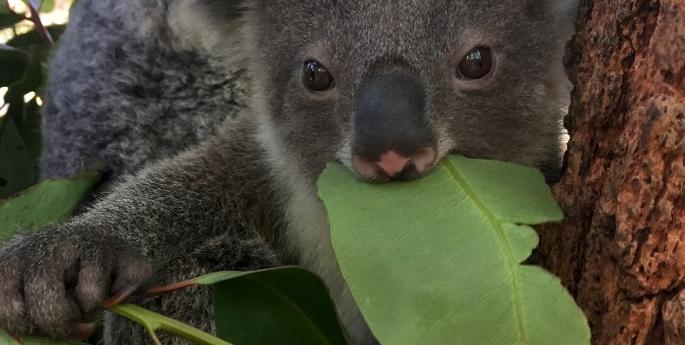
261 95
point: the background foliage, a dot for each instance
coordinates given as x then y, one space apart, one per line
25 45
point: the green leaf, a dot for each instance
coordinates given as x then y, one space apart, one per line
13 63
438 260
49 202
17 168
276 306
153 322
33 37
286 305
47 6
30 131
7 340
33 3
8 19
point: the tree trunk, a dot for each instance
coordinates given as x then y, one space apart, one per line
621 251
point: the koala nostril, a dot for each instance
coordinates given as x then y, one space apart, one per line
394 165
423 159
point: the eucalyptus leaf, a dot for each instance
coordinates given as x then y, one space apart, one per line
13 63
8 19
17 168
439 260
285 305
49 202
30 131
47 6
33 37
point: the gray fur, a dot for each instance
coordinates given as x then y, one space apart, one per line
144 79
123 90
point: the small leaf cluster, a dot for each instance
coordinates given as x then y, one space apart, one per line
23 64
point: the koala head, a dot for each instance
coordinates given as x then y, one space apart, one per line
390 87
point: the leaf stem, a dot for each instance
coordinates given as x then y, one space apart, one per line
154 322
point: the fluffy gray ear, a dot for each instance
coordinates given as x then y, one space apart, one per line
212 26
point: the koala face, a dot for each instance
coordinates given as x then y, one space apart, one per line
390 87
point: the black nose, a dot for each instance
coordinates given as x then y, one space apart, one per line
390 115
392 136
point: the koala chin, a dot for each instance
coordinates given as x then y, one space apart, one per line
216 117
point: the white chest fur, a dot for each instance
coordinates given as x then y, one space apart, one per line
308 234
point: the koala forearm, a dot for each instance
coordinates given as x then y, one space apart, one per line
167 208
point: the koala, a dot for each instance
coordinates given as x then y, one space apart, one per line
216 117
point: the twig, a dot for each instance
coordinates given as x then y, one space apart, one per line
35 18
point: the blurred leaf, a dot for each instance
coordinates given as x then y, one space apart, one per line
17 168
47 6
8 19
13 63
7 340
33 38
153 322
285 305
20 141
31 81
276 306
51 201
438 260
35 4
30 130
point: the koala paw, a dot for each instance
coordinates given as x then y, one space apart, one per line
52 283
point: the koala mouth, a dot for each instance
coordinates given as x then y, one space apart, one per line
395 166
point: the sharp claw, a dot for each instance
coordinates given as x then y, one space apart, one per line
120 296
82 331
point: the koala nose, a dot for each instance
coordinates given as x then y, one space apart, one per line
393 165
393 138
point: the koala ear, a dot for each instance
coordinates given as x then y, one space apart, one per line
212 26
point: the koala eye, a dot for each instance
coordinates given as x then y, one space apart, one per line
315 76
476 64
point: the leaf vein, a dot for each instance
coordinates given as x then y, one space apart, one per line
499 230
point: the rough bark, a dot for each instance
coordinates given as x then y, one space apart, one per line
621 251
